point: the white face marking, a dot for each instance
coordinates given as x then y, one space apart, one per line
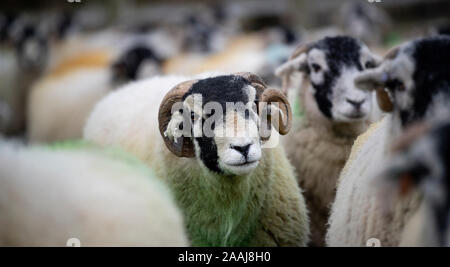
367 56
194 104
244 132
349 103
317 58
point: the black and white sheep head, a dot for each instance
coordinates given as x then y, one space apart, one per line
138 61
421 162
411 79
223 121
32 46
330 65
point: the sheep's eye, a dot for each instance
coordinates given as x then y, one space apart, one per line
369 65
396 85
316 67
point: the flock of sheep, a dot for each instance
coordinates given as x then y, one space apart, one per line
102 139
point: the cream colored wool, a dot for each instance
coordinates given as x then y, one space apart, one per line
370 217
60 102
49 196
318 150
263 208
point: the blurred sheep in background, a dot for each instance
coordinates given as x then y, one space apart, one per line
58 59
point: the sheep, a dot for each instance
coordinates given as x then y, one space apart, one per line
419 169
49 195
232 193
412 85
242 53
19 67
60 102
335 113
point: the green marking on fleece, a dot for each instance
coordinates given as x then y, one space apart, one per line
236 225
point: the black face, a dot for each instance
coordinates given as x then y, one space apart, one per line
340 51
431 76
221 89
127 67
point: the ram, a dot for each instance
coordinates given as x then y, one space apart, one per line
50 195
417 88
232 192
335 113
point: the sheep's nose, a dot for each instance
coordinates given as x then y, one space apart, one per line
356 104
242 149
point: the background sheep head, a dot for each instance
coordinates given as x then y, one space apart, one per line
411 79
138 61
217 120
421 163
32 47
330 65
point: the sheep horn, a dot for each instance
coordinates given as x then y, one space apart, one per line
273 95
175 95
255 81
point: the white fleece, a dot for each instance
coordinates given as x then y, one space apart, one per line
355 200
59 106
48 196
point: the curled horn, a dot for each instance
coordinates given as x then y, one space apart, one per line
273 95
255 81
294 62
185 148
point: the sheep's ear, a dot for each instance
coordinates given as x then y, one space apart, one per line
284 121
384 100
375 79
297 62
